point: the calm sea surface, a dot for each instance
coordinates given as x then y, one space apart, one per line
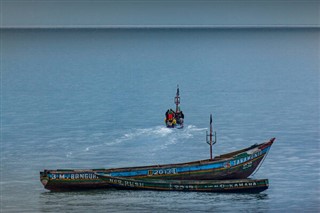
96 98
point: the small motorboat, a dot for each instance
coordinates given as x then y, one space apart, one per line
175 119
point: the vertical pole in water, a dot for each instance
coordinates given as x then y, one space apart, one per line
177 99
210 141
210 136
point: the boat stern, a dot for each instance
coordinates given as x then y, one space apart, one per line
44 178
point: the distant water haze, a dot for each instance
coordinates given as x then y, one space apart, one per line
155 13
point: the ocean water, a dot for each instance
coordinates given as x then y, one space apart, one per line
94 98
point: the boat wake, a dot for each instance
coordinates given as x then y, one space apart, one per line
135 134
180 137
159 136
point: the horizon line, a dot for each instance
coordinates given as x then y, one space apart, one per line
158 26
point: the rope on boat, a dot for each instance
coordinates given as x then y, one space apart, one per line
260 164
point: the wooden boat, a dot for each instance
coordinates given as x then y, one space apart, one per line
175 119
235 186
235 165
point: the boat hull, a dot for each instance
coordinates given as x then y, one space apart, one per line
236 165
226 186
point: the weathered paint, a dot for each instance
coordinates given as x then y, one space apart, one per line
194 168
244 185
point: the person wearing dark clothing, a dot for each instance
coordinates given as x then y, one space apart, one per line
181 114
179 117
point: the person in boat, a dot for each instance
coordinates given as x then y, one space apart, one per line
170 118
167 116
179 116
167 113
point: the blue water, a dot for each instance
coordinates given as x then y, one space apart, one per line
96 98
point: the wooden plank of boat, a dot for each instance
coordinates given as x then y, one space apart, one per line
235 165
235 186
